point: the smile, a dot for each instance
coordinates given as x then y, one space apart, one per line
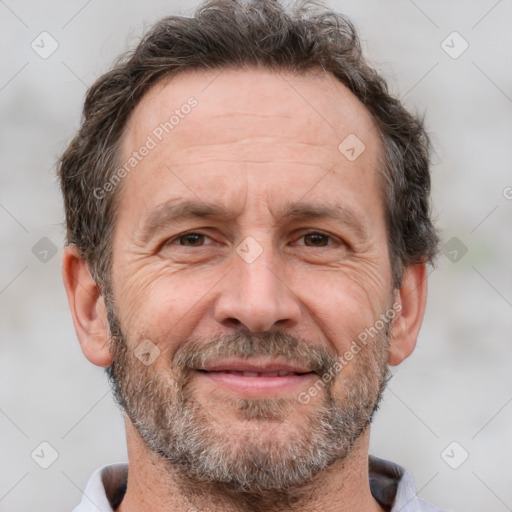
279 373
257 379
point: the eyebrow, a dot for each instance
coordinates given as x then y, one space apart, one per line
179 210
336 211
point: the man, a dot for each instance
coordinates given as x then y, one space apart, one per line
248 233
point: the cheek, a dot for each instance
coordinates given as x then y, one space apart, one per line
344 302
164 305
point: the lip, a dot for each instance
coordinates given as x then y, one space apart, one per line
260 365
258 378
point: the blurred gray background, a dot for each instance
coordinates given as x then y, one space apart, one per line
447 414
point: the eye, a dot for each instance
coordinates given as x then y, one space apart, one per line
317 240
190 240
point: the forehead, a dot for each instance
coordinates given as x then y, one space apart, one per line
217 124
319 106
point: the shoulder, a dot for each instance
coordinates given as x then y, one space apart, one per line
105 489
394 488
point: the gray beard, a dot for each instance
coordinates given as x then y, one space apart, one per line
258 469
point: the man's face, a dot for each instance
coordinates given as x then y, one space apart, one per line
249 253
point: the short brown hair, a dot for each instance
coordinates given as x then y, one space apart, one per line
238 34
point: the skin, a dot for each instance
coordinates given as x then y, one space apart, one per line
256 141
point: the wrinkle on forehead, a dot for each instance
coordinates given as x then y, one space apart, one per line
251 128
311 109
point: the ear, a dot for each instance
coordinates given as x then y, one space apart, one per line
410 301
87 308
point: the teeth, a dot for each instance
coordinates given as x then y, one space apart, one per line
277 373
280 373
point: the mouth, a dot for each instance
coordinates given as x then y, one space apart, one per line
257 379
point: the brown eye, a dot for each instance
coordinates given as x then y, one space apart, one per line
191 240
316 240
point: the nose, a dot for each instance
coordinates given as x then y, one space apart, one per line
257 296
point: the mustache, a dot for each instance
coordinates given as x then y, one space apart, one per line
200 352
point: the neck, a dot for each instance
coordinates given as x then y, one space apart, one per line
155 486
